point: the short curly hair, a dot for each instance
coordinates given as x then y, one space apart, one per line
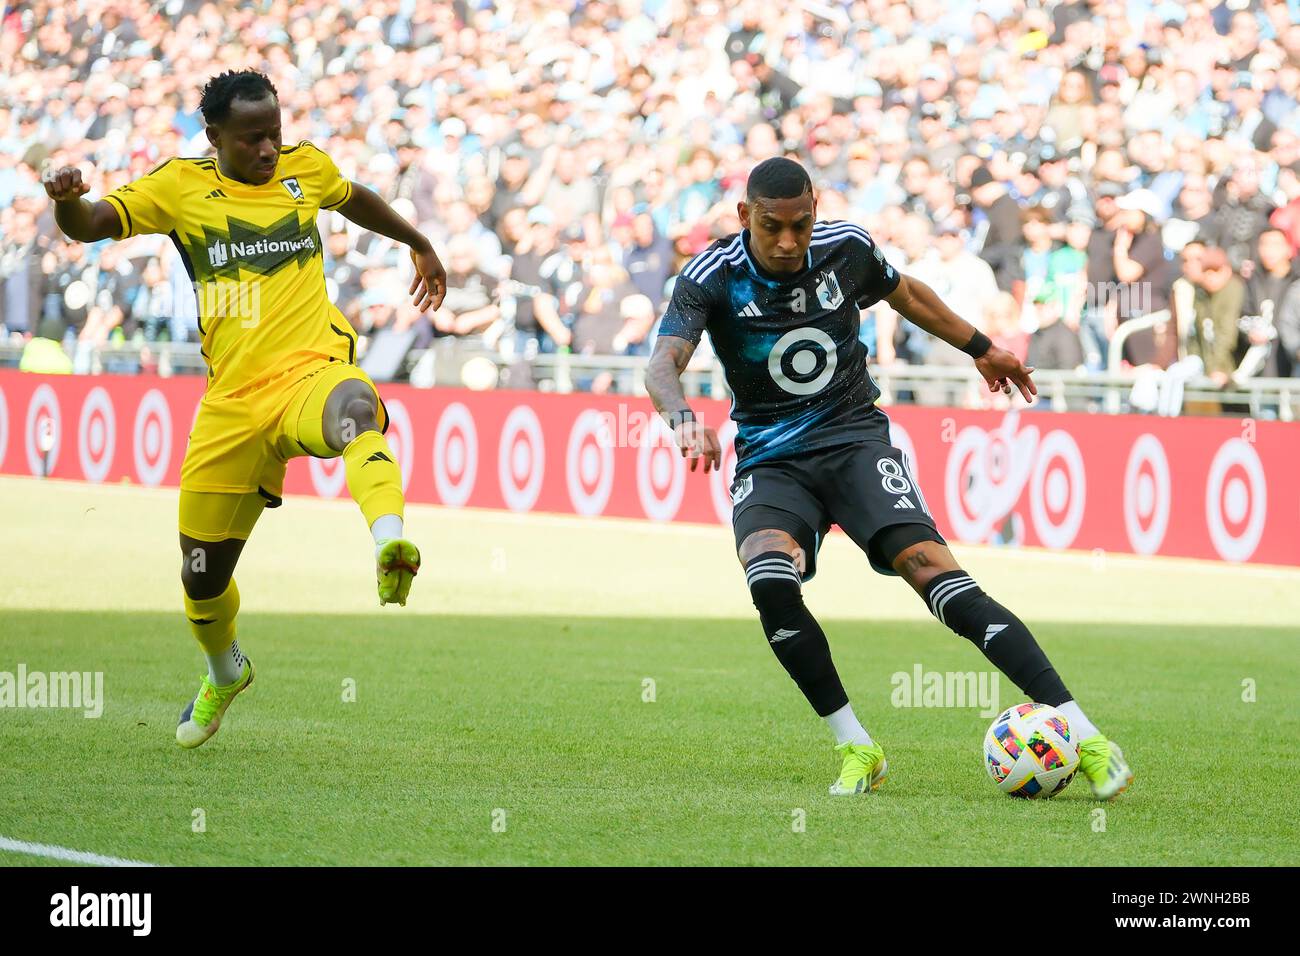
222 90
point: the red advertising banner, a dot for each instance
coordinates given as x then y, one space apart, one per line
1226 489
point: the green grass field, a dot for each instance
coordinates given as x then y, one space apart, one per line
501 719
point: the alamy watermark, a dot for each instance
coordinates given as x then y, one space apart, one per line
1130 298
222 299
922 688
75 690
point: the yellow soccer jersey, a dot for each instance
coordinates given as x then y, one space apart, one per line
254 255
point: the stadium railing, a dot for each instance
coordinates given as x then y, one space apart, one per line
1109 392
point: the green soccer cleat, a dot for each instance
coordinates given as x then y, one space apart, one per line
201 717
863 771
396 567
1103 764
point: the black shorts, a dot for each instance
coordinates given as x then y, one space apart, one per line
866 488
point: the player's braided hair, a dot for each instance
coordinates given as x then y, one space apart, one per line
777 178
221 90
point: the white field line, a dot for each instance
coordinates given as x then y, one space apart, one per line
64 854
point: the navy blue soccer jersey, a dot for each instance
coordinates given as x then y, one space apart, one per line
788 344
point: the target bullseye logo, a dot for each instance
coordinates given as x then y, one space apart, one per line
96 435
589 463
152 438
1058 490
455 455
44 430
1236 500
721 478
985 475
401 438
802 361
660 472
521 459
329 476
1147 495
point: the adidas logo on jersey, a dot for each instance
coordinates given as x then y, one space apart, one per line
216 194
750 311
903 502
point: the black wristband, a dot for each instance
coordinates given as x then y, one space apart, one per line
979 344
681 418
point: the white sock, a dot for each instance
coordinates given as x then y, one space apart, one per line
227 667
844 725
385 528
1083 727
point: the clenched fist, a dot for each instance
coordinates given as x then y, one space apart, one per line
65 184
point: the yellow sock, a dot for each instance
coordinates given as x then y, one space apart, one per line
212 622
374 479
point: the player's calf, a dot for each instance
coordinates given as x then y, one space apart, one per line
793 633
212 603
962 606
211 607
958 602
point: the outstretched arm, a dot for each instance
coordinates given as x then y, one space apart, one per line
369 211
918 303
79 218
664 383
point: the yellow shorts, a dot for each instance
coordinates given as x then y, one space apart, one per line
239 448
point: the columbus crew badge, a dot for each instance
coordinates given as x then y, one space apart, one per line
291 184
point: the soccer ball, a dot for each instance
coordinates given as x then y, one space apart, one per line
1031 752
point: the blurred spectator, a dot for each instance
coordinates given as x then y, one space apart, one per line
152 308
598 320
1002 319
1036 257
649 258
957 276
1056 342
472 302
1271 276
539 273
1067 270
21 278
1063 194
999 220
1241 211
43 352
69 278
1137 280
1216 315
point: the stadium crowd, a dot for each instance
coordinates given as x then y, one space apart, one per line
1052 169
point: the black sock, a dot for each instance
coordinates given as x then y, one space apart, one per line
795 636
957 601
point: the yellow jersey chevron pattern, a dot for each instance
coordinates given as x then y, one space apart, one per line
254 256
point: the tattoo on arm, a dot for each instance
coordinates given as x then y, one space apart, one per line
664 374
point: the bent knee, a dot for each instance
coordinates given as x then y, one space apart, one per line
351 410
204 585
207 567
920 563
761 542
